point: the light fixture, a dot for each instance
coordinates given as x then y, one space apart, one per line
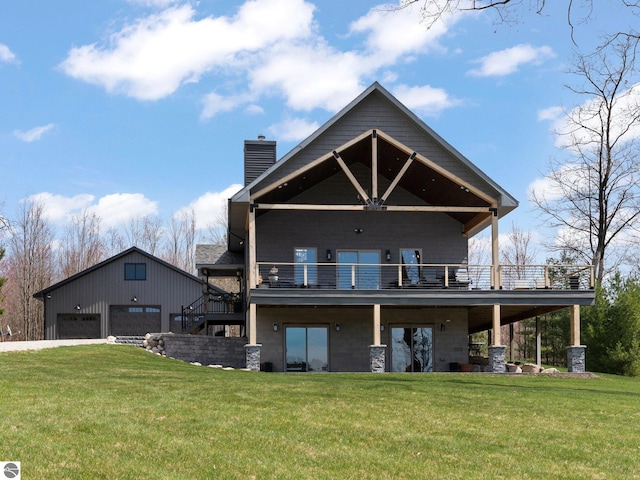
357 230
388 255
134 299
275 327
78 307
337 327
328 255
442 327
382 327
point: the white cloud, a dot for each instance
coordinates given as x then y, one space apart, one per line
59 208
114 210
118 208
293 129
33 134
6 55
154 3
587 116
151 58
274 44
426 99
210 206
551 113
506 62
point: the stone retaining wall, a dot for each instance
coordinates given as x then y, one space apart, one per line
204 349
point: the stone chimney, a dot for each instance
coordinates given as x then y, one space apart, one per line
258 156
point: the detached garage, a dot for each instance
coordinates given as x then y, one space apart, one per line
131 293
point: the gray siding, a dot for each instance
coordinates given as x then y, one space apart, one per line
377 112
349 348
106 286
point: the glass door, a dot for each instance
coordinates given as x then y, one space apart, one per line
307 349
359 269
412 349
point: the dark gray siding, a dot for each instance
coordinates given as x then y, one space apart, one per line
377 112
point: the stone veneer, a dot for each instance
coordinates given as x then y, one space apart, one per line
496 358
377 358
576 362
253 356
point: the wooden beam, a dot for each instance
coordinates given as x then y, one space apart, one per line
434 166
495 326
351 177
389 208
309 166
575 325
376 324
374 164
399 176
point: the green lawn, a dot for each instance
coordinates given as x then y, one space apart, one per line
109 411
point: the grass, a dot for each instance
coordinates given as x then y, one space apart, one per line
108 411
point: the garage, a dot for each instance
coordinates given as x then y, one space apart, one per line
138 320
72 325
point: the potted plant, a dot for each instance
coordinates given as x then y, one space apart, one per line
273 276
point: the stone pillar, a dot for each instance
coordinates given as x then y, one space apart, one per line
576 359
253 356
377 358
496 358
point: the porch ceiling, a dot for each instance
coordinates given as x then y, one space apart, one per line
427 184
514 305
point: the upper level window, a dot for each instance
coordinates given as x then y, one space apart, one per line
135 271
306 255
411 260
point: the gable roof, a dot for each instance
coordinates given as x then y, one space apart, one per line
238 204
115 258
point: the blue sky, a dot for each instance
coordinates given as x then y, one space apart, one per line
140 107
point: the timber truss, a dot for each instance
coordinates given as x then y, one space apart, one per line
392 164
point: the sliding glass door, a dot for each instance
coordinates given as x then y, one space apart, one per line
359 269
307 349
412 349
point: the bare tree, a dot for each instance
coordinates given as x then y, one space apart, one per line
217 229
31 268
518 250
595 198
180 250
82 246
114 242
578 12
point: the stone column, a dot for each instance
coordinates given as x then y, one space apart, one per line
377 358
253 356
496 358
576 362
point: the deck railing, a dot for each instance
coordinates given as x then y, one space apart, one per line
426 276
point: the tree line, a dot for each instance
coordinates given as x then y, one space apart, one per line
34 255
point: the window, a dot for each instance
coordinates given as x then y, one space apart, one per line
411 259
135 271
306 255
412 349
359 269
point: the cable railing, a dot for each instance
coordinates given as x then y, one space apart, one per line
368 276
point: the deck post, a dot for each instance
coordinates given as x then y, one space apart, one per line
496 351
575 352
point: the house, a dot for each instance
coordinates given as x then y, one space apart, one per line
131 293
352 251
